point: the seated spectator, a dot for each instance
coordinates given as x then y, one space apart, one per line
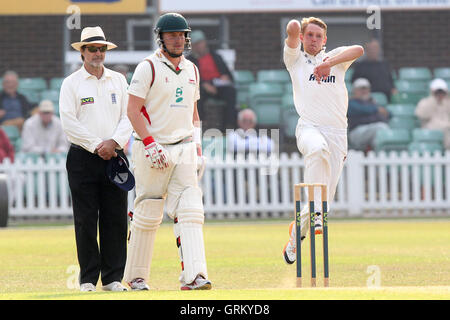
216 81
375 69
365 117
14 107
43 133
434 110
245 139
6 148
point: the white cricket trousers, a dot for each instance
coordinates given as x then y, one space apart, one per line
324 150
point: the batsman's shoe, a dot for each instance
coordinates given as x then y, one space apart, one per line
289 250
318 224
114 286
138 284
199 283
87 287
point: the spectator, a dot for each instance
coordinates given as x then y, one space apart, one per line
365 118
375 69
216 81
245 139
14 107
6 148
43 133
434 110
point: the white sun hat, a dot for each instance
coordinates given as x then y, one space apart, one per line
91 35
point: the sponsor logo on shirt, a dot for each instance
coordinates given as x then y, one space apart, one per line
179 95
87 100
330 78
191 81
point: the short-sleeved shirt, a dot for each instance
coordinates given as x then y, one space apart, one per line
169 96
93 110
323 104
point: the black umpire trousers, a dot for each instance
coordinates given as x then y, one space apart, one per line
97 203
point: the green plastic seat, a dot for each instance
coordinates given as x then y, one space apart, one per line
214 146
407 98
408 123
287 102
24 157
414 73
443 73
401 110
12 132
278 76
129 76
392 140
412 86
52 95
422 147
427 135
34 97
288 88
379 98
58 157
289 122
394 75
243 77
268 114
56 83
35 84
265 93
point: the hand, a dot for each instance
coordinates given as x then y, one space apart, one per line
383 112
201 165
157 155
2 113
322 70
107 149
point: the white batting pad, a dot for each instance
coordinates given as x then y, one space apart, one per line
147 217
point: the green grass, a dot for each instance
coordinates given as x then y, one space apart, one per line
244 262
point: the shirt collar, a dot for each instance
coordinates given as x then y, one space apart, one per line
160 56
86 75
317 56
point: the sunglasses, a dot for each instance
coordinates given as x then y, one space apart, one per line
94 49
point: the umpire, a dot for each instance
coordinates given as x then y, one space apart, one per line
93 109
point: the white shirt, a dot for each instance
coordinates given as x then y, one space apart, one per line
323 104
169 103
39 139
93 110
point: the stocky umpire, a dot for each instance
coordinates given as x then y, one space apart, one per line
93 108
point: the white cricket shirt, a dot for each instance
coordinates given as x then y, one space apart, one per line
169 102
323 104
93 110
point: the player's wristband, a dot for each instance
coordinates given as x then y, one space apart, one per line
148 140
197 137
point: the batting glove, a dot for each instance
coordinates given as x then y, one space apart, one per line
158 156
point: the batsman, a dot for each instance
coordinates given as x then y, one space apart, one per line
321 100
167 154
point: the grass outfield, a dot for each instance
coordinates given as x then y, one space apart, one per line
383 259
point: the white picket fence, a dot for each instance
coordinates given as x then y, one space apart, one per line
382 185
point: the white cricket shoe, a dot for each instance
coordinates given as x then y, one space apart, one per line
87 287
138 284
289 250
199 283
114 286
318 223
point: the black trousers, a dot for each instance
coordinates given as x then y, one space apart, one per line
97 203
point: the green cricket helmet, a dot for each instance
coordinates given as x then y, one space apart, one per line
172 22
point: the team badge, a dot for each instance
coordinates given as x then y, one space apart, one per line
113 98
89 100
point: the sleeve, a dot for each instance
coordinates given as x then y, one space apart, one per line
291 56
142 78
74 129
345 65
124 129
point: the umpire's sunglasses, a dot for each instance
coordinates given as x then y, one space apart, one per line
94 49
